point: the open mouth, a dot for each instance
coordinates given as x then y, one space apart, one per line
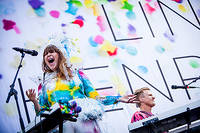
51 60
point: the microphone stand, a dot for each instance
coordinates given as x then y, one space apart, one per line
188 109
14 92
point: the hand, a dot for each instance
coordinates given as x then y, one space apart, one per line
128 99
31 95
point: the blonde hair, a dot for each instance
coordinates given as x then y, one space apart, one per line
61 62
140 92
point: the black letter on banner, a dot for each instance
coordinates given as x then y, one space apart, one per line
169 98
145 16
122 39
184 79
159 3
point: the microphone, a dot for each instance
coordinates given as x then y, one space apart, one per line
31 52
182 87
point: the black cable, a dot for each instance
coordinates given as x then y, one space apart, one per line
41 130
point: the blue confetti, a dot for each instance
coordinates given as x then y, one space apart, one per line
63 25
131 50
40 12
130 15
160 49
80 17
120 45
92 43
71 9
143 69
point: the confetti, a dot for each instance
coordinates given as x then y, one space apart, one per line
80 17
160 49
100 23
131 29
113 19
121 45
182 8
40 12
169 36
63 25
131 50
121 89
75 59
148 0
99 39
35 4
78 22
54 13
117 63
156 5
88 3
107 46
130 15
1 76
142 69
8 24
127 6
76 2
17 30
92 43
112 53
148 8
71 9
194 64
178 1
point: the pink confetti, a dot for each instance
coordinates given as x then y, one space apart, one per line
101 24
178 1
16 29
8 24
54 13
156 5
148 0
99 39
148 8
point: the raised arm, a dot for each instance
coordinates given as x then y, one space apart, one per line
106 100
32 97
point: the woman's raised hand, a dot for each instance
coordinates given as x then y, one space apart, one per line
31 95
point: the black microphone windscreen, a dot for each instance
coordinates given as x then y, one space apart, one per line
173 87
35 53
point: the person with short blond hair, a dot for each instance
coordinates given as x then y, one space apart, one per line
146 102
